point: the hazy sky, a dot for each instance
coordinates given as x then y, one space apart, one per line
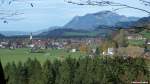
47 13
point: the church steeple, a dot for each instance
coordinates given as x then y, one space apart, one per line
31 37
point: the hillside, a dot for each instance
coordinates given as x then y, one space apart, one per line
143 22
67 33
91 21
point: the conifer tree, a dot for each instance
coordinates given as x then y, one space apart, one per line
2 78
56 66
48 73
67 71
36 71
12 73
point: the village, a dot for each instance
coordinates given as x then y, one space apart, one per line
138 45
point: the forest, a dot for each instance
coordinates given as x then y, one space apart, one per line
98 70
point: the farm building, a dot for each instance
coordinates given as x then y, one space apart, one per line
135 37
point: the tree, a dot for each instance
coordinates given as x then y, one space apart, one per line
84 48
2 77
98 51
134 51
21 74
11 73
6 15
36 73
121 39
56 66
107 44
83 71
119 6
48 73
34 70
67 71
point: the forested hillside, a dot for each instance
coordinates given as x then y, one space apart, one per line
115 70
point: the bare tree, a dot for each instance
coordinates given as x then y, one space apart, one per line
7 15
119 6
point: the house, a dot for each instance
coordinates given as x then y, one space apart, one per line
135 37
30 46
93 50
74 50
39 43
147 44
3 44
110 52
13 46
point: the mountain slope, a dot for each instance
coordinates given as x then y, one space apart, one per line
91 21
61 32
143 22
45 30
72 33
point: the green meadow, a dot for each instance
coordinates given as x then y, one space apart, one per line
23 54
136 42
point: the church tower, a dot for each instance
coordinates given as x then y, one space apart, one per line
31 37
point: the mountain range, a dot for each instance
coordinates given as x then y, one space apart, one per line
14 33
142 22
95 24
88 25
90 21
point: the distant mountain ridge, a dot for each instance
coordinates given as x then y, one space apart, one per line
2 36
100 23
143 21
61 32
73 33
98 30
19 33
90 21
46 30
14 33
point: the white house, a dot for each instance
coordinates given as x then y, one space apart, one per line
1 46
148 42
30 46
135 37
110 51
93 50
73 50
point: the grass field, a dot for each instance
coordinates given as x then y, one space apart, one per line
136 42
23 54
146 34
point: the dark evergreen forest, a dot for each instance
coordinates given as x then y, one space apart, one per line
87 70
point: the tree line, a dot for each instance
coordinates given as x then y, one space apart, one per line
87 70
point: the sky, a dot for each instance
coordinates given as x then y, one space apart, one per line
48 13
